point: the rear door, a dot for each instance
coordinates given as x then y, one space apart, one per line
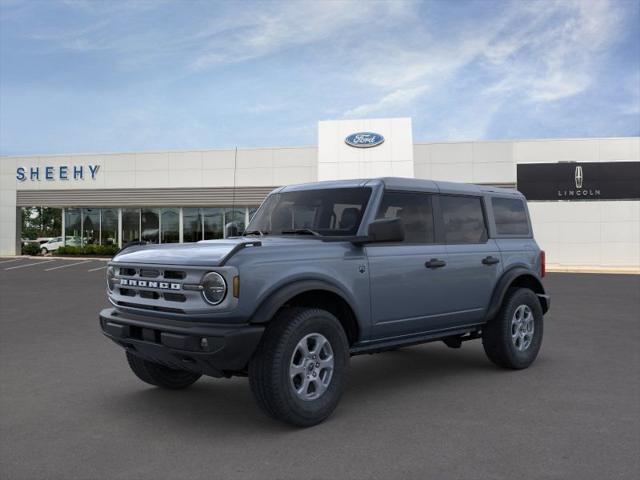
474 261
407 295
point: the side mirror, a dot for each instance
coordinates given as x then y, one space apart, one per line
385 230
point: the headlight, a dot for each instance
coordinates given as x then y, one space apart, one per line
111 275
214 288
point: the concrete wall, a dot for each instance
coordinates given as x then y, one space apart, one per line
472 162
200 168
587 233
339 161
8 211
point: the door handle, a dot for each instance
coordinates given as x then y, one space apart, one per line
490 260
435 263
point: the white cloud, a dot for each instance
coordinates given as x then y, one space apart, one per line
256 33
540 51
396 99
553 55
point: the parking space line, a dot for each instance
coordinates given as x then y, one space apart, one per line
96 269
9 261
65 266
30 264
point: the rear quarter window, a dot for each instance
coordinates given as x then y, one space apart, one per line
510 216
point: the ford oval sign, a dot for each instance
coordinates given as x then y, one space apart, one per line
364 139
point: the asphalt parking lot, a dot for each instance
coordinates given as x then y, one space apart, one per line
70 408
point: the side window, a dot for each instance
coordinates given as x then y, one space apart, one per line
463 219
415 211
510 216
346 217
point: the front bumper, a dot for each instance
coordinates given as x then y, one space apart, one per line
210 349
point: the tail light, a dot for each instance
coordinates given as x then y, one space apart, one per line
543 263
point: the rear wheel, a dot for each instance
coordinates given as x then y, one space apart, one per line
298 373
513 338
159 375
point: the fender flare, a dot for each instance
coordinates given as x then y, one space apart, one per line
506 280
275 300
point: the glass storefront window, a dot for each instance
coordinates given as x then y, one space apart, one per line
170 224
150 220
234 221
130 225
191 225
109 226
86 226
72 226
213 221
90 226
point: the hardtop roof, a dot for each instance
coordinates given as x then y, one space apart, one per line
402 183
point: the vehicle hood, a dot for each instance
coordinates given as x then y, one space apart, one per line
204 253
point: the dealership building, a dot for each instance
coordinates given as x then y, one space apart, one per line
584 194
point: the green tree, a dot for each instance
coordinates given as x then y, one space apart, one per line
41 222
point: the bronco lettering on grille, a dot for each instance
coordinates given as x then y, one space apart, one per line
148 284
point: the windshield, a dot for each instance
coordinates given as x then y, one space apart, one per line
326 212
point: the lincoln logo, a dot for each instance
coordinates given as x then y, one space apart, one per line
579 177
579 191
149 284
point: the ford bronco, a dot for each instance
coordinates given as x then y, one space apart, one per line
325 271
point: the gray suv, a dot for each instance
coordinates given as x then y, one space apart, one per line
329 270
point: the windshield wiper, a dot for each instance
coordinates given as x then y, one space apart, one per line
255 232
301 231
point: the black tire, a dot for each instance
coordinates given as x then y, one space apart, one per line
269 374
159 375
497 334
44 251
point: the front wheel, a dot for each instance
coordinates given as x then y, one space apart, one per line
298 373
513 338
44 251
159 375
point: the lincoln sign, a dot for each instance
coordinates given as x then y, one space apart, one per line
580 181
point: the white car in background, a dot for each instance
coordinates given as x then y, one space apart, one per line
52 245
56 242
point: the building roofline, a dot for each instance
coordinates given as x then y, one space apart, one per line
144 152
517 140
296 147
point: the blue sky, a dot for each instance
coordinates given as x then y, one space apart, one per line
103 76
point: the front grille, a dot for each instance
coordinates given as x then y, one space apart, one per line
153 295
174 297
174 274
150 307
148 273
149 294
159 288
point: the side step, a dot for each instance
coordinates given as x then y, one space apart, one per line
391 343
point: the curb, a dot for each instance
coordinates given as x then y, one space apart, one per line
54 257
601 270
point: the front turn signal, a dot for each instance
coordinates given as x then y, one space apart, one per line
236 286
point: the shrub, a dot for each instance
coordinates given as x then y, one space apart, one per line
31 249
102 250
